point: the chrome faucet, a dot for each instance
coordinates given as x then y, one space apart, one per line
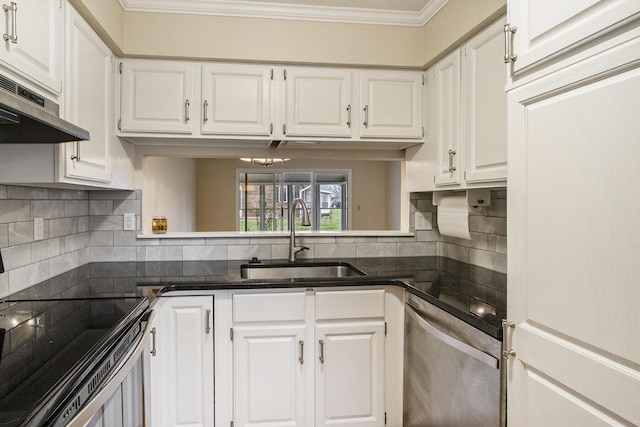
306 222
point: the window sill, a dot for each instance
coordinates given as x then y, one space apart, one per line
276 234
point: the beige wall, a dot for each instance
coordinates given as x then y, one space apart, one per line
270 40
286 41
216 194
169 190
455 23
107 18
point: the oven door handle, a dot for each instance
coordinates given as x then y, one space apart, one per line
448 339
111 385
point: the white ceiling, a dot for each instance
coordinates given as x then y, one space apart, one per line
381 12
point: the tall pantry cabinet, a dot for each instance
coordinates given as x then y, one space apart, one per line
572 353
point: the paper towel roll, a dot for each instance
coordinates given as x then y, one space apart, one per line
453 217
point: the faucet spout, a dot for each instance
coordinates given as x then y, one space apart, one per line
306 222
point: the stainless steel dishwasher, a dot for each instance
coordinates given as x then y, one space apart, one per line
452 371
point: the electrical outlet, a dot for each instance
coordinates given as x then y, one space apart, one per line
130 221
38 228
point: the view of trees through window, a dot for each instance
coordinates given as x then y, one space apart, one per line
265 198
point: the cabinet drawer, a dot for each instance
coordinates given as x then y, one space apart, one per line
269 307
349 304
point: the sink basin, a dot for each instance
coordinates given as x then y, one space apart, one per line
315 270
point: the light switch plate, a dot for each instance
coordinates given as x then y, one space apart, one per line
129 221
38 228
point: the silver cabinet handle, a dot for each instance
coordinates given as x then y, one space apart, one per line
349 116
186 111
153 341
506 326
451 154
509 31
366 116
321 351
301 358
207 322
76 156
12 9
448 339
205 107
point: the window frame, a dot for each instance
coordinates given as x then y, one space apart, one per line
315 213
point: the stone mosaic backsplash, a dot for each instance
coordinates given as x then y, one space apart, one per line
82 226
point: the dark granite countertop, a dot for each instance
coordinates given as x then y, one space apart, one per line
473 294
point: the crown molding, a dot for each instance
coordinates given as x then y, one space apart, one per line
257 9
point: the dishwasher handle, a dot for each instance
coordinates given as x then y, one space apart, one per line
453 342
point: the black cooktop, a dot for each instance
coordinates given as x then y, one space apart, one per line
51 331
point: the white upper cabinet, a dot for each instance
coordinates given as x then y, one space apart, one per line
32 41
485 107
318 102
466 120
89 101
391 104
213 101
443 94
546 28
237 100
158 97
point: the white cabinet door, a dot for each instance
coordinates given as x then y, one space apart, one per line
573 242
237 100
34 30
545 28
350 374
158 96
484 101
391 104
269 375
443 96
89 87
318 102
183 380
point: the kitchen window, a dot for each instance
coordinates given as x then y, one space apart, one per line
264 199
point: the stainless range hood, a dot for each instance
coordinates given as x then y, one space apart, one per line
26 117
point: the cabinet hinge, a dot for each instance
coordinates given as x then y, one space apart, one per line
284 128
120 67
423 131
385 418
231 337
423 80
385 329
271 129
284 74
120 125
272 74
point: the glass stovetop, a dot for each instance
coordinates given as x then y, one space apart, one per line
50 330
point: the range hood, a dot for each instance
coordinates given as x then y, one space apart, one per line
26 117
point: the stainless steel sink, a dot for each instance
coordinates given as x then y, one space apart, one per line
316 270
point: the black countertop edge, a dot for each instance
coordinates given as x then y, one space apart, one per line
492 326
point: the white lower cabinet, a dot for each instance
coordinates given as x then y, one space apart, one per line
307 358
181 362
350 374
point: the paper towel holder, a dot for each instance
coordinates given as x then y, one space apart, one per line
476 197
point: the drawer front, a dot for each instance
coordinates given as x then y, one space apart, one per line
354 304
267 307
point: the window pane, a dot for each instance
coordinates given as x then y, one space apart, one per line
257 207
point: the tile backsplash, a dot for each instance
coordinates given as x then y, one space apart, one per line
82 226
